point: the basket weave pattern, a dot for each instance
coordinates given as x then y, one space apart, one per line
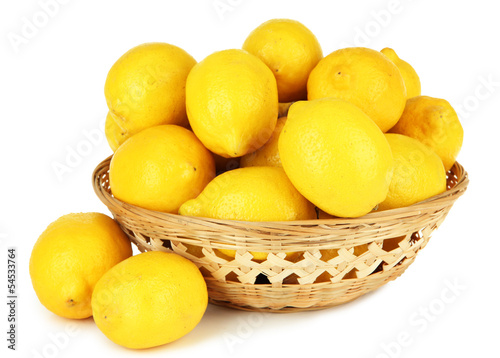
310 264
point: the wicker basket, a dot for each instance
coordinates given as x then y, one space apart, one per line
311 264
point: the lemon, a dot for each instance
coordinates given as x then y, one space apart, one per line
364 77
268 154
145 87
410 76
160 168
232 102
149 300
70 256
290 50
335 156
434 122
250 194
114 134
418 173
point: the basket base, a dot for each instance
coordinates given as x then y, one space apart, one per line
297 298
287 309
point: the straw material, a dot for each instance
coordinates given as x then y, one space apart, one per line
310 264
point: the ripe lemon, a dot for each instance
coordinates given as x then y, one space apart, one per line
364 77
250 194
232 102
268 154
434 122
145 87
418 173
290 50
149 300
160 168
336 156
410 76
114 134
70 256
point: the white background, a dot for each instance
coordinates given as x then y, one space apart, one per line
52 96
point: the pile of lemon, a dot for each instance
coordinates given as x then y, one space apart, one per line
353 133
274 131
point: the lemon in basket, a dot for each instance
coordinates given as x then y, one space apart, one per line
149 300
145 87
160 168
418 173
364 77
410 76
434 122
290 50
232 102
336 156
70 256
250 194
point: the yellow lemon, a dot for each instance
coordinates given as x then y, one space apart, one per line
232 102
418 173
145 87
268 154
434 122
160 168
149 300
290 50
114 134
70 256
364 77
410 76
250 194
336 156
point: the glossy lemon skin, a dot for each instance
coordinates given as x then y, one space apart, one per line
336 156
290 50
70 256
363 77
149 300
434 122
145 87
160 168
418 173
232 102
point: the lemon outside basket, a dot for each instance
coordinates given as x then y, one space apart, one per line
310 264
